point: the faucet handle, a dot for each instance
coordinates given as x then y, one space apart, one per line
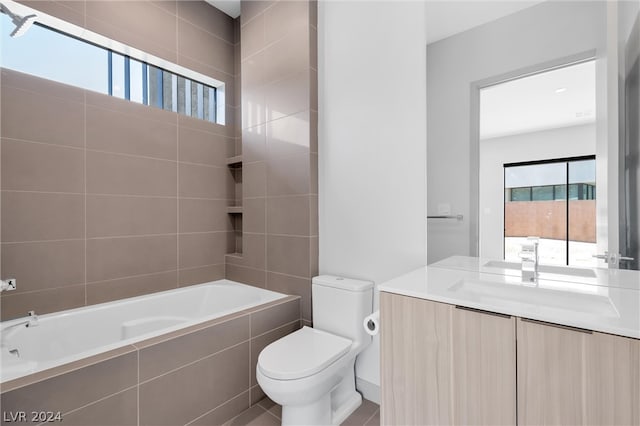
32 313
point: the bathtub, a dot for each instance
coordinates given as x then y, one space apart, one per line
63 337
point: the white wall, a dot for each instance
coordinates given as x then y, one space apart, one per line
534 36
564 142
372 149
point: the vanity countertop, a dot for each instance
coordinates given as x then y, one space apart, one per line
611 309
594 276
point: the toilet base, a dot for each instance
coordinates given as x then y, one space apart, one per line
317 413
333 408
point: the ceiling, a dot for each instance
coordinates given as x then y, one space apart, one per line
558 98
448 17
444 17
230 7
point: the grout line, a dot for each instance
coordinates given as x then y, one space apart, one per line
41 241
138 388
132 276
94 402
218 406
58 288
372 416
192 362
49 144
84 94
270 413
177 198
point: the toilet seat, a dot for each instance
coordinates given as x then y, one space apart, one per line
301 354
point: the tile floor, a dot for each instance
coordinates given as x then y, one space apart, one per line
267 413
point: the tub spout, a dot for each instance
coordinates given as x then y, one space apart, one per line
30 321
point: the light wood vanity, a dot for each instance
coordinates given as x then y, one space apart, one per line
446 364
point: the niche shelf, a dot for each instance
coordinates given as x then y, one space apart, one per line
235 211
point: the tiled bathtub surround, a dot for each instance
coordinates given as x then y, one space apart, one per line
279 148
202 375
104 198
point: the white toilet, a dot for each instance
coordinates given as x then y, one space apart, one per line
311 372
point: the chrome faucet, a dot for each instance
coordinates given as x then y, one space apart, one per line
529 256
30 321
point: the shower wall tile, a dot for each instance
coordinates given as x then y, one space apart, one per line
294 286
196 146
289 215
127 133
286 18
121 21
60 264
124 168
30 166
254 217
207 18
288 255
254 277
254 179
42 302
35 216
254 144
199 181
253 37
110 258
59 121
210 50
70 11
289 136
288 96
200 215
114 215
127 175
40 87
202 249
288 175
286 57
107 291
199 275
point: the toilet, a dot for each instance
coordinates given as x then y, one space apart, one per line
311 372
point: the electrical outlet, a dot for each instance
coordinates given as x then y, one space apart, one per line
12 283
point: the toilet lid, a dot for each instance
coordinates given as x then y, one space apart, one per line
301 354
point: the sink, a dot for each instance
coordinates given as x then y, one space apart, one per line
560 270
522 294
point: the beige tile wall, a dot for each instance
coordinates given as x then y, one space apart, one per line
103 198
279 146
204 374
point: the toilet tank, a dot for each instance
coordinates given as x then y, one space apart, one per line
340 305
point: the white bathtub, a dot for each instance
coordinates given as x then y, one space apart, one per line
66 336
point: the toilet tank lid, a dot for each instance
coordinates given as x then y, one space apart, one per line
342 283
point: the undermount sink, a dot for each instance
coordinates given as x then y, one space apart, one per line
560 270
523 294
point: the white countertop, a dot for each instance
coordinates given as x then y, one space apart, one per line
613 308
594 276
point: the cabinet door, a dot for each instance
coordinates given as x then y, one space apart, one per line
415 361
442 365
577 377
484 368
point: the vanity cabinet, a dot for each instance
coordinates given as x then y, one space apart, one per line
572 376
445 365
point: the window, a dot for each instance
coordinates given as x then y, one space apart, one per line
54 55
537 203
